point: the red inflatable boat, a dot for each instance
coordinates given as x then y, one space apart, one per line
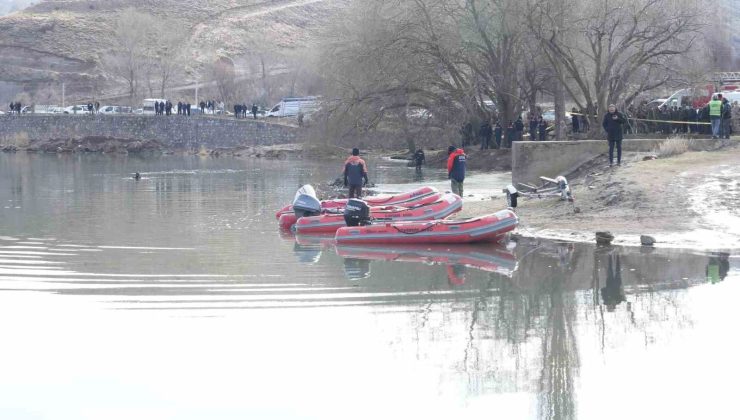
494 259
447 205
287 220
488 228
403 199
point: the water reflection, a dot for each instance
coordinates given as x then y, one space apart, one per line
528 298
191 251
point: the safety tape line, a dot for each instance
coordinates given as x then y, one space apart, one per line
658 121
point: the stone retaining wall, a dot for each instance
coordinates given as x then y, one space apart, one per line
176 132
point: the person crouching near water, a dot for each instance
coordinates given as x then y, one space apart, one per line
613 122
456 169
355 172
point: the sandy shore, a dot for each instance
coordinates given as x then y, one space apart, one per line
689 201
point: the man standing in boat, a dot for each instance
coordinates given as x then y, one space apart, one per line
456 169
355 172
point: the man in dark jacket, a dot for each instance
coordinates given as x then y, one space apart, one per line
355 172
254 111
485 136
613 122
519 126
419 159
456 169
510 135
726 117
575 121
542 128
498 133
532 120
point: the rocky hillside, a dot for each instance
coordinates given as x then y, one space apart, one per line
65 39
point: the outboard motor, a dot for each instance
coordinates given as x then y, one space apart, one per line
305 202
356 213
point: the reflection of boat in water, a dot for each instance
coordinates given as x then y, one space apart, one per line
495 259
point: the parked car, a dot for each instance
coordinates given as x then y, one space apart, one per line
76 109
108 109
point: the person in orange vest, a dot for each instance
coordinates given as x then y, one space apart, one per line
355 172
456 169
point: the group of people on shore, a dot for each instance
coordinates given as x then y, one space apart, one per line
15 108
496 137
669 120
166 107
241 111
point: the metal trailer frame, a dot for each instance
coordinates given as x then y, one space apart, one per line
550 188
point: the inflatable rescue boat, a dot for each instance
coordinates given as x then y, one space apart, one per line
402 199
287 220
445 206
490 228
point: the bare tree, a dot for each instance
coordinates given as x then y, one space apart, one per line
605 52
167 53
130 55
222 72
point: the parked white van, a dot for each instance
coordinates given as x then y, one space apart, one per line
290 107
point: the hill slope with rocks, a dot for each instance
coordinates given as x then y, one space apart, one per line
66 39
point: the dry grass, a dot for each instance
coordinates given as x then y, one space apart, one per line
673 146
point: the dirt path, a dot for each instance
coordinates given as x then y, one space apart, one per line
690 200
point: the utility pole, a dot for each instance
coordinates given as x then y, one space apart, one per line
62 94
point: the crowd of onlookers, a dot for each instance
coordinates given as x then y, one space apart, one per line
676 120
496 136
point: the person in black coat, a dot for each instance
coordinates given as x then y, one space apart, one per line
498 133
532 120
575 121
542 128
613 125
519 127
510 135
419 159
485 134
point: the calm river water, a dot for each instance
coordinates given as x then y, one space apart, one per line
175 297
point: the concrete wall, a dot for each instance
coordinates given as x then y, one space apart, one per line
174 131
532 159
